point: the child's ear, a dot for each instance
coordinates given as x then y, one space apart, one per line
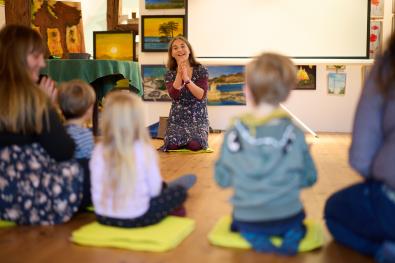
248 95
88 114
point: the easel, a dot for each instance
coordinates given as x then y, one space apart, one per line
304 126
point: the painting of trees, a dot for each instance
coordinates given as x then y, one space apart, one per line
157 31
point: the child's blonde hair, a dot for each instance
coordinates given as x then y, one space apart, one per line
270 77
122 125
75 97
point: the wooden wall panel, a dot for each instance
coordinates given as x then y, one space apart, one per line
18 12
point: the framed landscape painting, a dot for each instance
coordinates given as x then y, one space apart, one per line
164 4
157 31
114 45
306 75
226 85
154 83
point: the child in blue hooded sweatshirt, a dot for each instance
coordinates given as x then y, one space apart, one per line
265 158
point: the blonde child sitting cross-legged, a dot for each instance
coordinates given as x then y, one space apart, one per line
127 188
264 157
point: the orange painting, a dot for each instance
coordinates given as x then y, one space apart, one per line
114 45
60 25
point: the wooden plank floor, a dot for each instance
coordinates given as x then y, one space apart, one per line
206 204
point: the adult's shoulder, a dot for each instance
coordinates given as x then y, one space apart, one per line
202 70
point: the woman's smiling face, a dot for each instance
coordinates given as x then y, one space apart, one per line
35 62
180 50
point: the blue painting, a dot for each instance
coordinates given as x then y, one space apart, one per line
337 83
164 4
226 85
154 83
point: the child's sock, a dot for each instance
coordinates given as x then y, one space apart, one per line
260 242
386 253
291 240
180 211
186 181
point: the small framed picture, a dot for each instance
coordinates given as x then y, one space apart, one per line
337 83
376 35
164 4
306 76
377 9
157 31
154 83
114 45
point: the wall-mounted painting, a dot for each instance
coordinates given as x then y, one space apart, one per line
164 4
375 38
306 75
377 8
114 45
337 83
60 25
154 83
226 85
157 31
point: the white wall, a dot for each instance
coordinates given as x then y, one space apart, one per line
318 110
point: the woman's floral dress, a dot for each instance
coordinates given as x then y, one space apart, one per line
35 189
188 118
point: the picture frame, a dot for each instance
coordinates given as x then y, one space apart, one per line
226 85
377 9
114 45
337 83
375 38
164 4
307 77
158 30
154 83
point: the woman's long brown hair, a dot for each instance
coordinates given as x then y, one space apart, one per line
22 103
171 62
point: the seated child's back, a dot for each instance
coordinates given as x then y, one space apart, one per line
265 158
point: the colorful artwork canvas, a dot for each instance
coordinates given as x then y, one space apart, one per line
114 45
306 75
157 31
154 83
226 85
337 83
164 4
60 25
375 38
377 8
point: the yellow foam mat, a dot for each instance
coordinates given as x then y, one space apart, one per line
208 150
4 224
221 235
160 237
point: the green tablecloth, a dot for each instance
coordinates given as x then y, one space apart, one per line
67 69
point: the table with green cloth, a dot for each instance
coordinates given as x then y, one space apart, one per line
62 70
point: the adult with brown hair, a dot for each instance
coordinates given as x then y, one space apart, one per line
187 84
38 183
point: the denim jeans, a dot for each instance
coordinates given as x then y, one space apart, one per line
361 217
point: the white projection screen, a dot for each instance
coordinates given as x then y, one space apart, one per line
296 28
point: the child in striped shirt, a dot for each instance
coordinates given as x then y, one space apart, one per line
76 99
